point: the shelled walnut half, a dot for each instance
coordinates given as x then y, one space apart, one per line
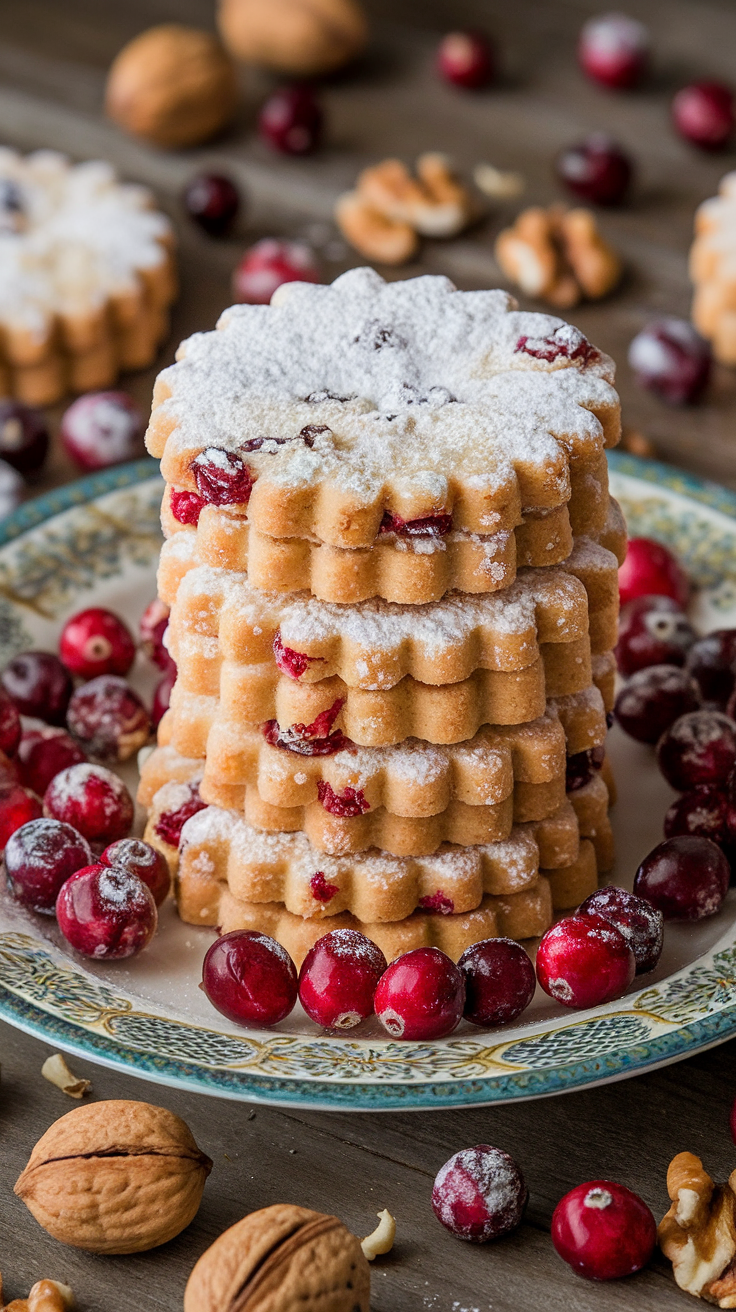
698 1234
390 209
45 1296
558 255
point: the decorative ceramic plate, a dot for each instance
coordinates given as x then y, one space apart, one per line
97 542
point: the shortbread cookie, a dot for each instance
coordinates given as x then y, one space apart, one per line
713 270
339 405
86 276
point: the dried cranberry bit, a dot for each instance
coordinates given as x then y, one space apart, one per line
320 727
434 526
698 750
108 719
438 902
582 767
250 978
290 741
347 804
93 800
479 1194
641 924
222 478
499 981
652 700
565 343
322 891
583 961
39 685
18 806
686 878
106 913
291 662
170 823
420 996
338 978
96 641
39 858
186 507
603 1230
305 435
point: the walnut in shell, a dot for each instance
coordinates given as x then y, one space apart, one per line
281 1259
300 37
115 1177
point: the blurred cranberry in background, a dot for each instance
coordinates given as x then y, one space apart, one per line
103 428
24 437
596 170
213 202
671 359
466 59
291 120
269 264
651 569
614 50
703 114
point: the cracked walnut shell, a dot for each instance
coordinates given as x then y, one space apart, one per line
115 1177
281 1259
698 1234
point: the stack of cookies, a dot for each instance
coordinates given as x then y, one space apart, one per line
391 562
713 270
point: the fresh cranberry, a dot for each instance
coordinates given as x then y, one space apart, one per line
420 996
108 718
650 569
291 662
479 1194
268 265
44 753
432 526
186 507
12 489
614 50
106 913
603 1230
700 811
24 437
653 630
213 202
703 114
222 477
291 120
39 858
698 750
140 859
583 961
711 662
10 725
350 802
162 696
153 625
641 924
9 771
18 806
595 170
250 978
686 878
466 59
563 343
672 360
103 428
170 823
96 641
93 800
39 685
499 981
652 700
338 979
581 767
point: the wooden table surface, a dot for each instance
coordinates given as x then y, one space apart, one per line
53 59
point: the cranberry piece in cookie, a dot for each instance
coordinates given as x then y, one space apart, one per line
222 477
170 823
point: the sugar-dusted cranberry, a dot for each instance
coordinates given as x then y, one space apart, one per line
672 360
93 800
650 569
564 343
338 979
269 264
39 858
142 860
641 924
653 630
39 685
479 1194
420 996
102 429
701 811
466 59
499 981
44 753
213 202
222 477
432 526
10 726
583 961
96 641
291 662
12 488
108 718
685 877
186 507
698 750
350 802
250 978
595 170
170 823
152 626
711 661
703 114
24 437
18 806
291 120
614 50
652 700
603 1230
581 767
162 696
106 913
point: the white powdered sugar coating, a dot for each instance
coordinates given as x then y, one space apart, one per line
78 237
477 1181
70 785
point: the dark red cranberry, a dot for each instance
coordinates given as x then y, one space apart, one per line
142 860
162 696
222 478
479 1194
102 429
186 507
18 806
213 202
338 979
641 924
711 662
583 961
153 625
652 700
700 811
10 726
703 114
420 996
106 913
650 569
291 662
582 767
9 771
686 878
603 1230
96 641
672 360
39 685
614 50
466 59
250 978
563 343
170 823
268 265
432 526
595 170
291 120
350 802
315 739
652 631
24 437
499 981
45 753
92 800
39 858
438 902
108 719
698 750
